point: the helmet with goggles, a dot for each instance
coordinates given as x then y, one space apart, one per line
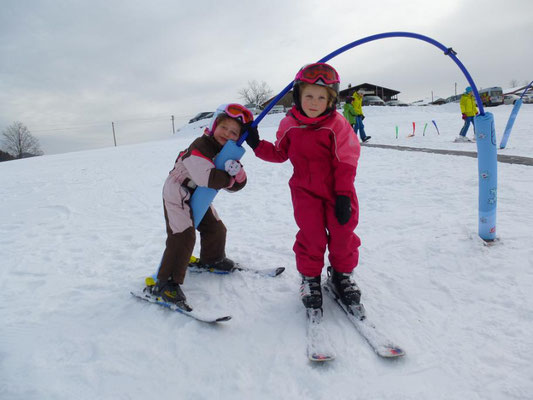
232 110
316 74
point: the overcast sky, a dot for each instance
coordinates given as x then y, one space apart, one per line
68 68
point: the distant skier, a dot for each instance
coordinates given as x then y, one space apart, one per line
195 167
357 104
349 112
324 152
469 111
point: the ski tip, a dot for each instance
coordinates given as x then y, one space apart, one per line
316 357
391 352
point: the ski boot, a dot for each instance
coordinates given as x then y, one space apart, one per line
224 264
311 292
171 293
343 287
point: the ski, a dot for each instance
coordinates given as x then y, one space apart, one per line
146 296
195 266
271 272
319 347
379 342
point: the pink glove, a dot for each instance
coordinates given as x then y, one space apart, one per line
236 171
241 176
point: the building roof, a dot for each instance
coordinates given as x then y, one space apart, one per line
285 101
370 88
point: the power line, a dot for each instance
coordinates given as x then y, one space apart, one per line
161 118
70 127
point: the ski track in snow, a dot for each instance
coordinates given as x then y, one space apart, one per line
80 230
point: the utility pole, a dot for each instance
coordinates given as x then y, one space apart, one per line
114 137
456 88
432 96
173 130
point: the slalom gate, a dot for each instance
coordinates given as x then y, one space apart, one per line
485 141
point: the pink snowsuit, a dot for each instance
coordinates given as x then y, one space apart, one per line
324 152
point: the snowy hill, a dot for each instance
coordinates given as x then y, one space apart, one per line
80 230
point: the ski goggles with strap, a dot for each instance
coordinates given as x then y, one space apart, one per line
235 110
318 71
232 110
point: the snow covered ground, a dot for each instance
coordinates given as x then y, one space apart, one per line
80 230
381 125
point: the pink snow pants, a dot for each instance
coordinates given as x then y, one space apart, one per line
319 228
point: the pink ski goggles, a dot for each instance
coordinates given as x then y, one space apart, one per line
235 110
313 72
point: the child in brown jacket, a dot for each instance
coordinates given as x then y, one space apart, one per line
195 167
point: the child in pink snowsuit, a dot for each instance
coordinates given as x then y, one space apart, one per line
324 150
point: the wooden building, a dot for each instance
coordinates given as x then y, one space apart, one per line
384 93
285 101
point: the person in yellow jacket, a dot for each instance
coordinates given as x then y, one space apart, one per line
357 104
469 111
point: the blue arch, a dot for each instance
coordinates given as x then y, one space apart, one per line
526 89
484 125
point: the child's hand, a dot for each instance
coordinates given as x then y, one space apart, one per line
252 139
343 209
232 167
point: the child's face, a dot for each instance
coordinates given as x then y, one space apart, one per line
228 129
314 100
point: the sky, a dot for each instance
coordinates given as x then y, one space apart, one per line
71 68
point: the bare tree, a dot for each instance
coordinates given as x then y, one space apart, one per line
19 142
513 83
256 93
